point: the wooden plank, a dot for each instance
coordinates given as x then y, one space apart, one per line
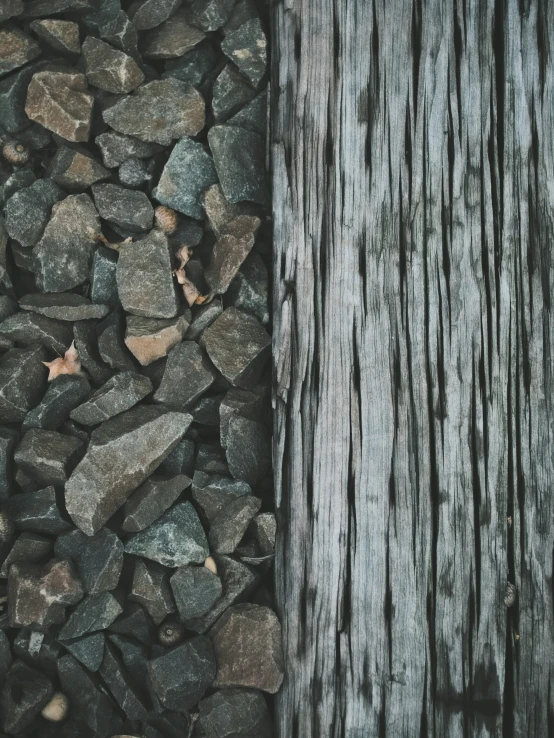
413 182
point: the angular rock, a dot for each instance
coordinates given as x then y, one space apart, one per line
24 694
8 440
37 511
210 458
148 14
219 211
63 394
38 595
29 548
120 393
230 251
63 256
63 306
212 492
111 347
134 655
75 170
30 328
6 286
204 317
172 38
209 15
108 68
179 461
122 453
247 644
47 456
59 101
247 48
5 656
88 650
145 279
248 449
149 339
16 49
135 623
239 160
238 346
62 35
128 209
150 588
99 558
264 527
94 613
19 179
38 8
249 291
28 211
253 117
121 33
187 376
151 500
10 8
188 172
134 172
84 333
159 111
194 66
117 148
119 684
181 676
231 92
22 382
103 284
206 411
93 706
229 713
38 647
196 590
230 524
175 539
249 404
13 91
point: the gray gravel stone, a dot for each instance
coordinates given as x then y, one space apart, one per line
111 347
63 256
188 172
145 279
93 706
75 170
38 8
19 179
26 691
88 650
210 458
28 211
62 35
204 317
212 492
172 38
122 453
22 382
28 548
248 449
37 511
121 33
186 377
117 148
249 404
129 209
108 68
119 683
231 523
230 713
180 460
264 528
94 613
249 291
230 251
239 160
181 676
193 67
196 590
10 8
8 440
252 117
31 328
47 456
84 333
150 588
134 172
148 14
209 15
99 558
63 306
247 48
63 394
238 346
103 284
159 111
120 393
231 92
13 92
135 623
175 539
149 339
151 500
16 49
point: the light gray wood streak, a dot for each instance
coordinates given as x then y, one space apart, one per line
413 173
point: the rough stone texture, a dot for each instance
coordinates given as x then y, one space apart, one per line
95 612
120 393
230 713
117 148
248 449
16 49
180 460
150 588
62 35
219 210
249 291
128 209
10 8
193 67
188 172
249 404
84 333
63 306
111 347
196 590
159 111
37 511
239 160
63 256
231 92
38 8
209 15
8 441
175 539
134 172
150 13
210 458
186 377
75 170
22 382
144 277
29 328
103 284
99 558
47 456
108 68
23 696
238 346
63 394
230 524
59 101
121 33
253 117
13 91
247 48
181 676
230 251
151 500
135 623
212 492
149 339
206 411
247 644
38 596
173 38
264 527
122 453
88 650
28 211
203 318
119 683
93 706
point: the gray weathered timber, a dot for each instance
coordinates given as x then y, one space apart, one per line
413 189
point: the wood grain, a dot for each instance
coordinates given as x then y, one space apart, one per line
413 177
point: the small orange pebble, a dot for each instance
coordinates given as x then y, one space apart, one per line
70 363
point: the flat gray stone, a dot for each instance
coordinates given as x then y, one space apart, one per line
25 692
63 306
231 92
64 393
150 588
103 284
11 8
252 404
110 343
249 291
118 394
159 111
117 148
134 172
149 339
145 278
151 500
264 528
204 317
175 539
209 15
16 49
239 160
13 92
62 35
253 116
99 558
230 524
186 377
180 460
248 449
172 38
194 66
75 170
230 251
95 612
229 713
122 454
247 48
22 382
37 512
88 650
212 492
188 172
48 456
28 211
121 686
128 209
28 548
196 589
148 14
32 328
108 68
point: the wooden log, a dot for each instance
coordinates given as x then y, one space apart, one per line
413 178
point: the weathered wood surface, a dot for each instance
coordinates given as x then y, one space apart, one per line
413 172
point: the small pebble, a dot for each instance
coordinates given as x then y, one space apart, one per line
57 709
